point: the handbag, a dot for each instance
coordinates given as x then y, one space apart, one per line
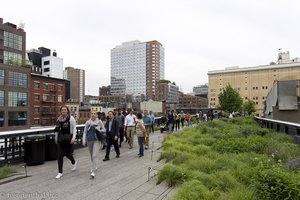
101 135
64 138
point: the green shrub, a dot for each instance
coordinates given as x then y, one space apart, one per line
242 192
172 174
273 183
195 190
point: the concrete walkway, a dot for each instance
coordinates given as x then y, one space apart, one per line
124 178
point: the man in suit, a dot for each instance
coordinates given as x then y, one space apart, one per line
112 135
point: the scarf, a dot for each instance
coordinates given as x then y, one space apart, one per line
92 123
62 119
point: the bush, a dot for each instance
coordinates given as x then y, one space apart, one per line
172 174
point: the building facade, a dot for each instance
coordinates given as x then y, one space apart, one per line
252 82
104 90
201 90
77 82
14 78
136 67
48 95
44 63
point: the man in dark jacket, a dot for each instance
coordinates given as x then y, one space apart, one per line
112 135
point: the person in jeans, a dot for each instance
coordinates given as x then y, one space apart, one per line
147 124
140 132
90 137
112 135
65 137
152 120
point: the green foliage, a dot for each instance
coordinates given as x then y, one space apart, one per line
249 106
6 171
231 159
195 189
172 174
230 100
271 182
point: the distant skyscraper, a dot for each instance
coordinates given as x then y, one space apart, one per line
136 67
77 82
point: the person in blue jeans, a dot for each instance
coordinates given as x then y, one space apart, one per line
140 132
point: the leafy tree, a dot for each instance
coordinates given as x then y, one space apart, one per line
249 106
230 100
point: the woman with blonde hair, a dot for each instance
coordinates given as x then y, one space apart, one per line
90 137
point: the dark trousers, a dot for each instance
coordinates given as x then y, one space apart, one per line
182 123
110 141
152 127
121 131
64 149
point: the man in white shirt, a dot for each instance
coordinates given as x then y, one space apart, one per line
129 125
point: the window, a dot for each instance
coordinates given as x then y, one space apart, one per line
59 98
59 87
36 109
52 87
36 97
17 99
12 40
11 58
17 79
37 85
266 87
36 121
1 77
17 118
46 69
263 87
45 85
47 62
1 98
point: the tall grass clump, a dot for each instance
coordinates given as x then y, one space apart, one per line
6 171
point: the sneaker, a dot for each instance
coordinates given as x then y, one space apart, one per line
146 147
59 175
105 159
118 156
141 155
94 170
93 175
73 168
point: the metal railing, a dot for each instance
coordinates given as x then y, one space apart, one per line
290 128
12 143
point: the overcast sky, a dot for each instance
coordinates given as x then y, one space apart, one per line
198 36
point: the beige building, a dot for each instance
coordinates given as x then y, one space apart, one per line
253 82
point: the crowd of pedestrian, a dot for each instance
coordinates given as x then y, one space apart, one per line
109 131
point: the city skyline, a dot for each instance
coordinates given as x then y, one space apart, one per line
198 36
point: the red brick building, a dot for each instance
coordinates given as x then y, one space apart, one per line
48 95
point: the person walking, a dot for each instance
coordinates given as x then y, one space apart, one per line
147 124
65 138
112 135
103 118
177 121
121 119
130 127
152 120
90 137
171 121
140 132
182 115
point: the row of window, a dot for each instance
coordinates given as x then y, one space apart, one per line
12 58
47 97
46 86
15 99
12 40
15 79
15 118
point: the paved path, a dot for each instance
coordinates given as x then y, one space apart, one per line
124 178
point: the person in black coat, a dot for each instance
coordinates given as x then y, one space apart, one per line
112 135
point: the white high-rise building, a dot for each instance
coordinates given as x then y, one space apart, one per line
136 67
